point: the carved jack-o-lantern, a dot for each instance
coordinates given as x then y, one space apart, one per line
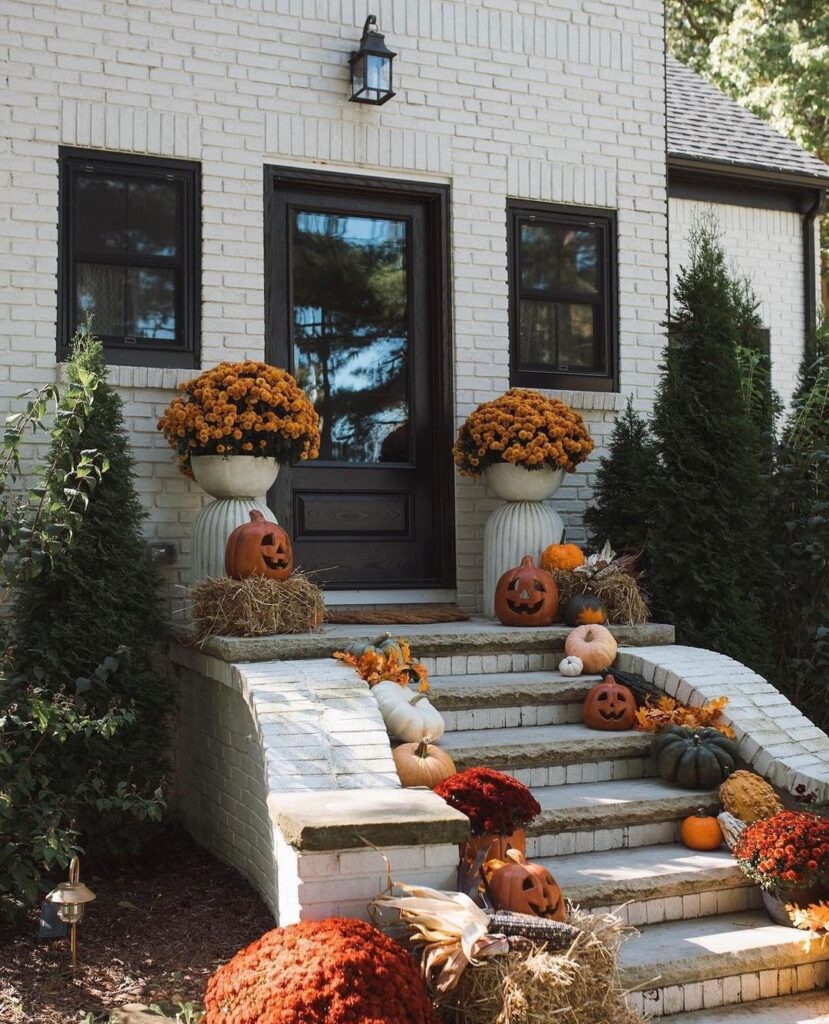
259 548
526 596
526 888
610 706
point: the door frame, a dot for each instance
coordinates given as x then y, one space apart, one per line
436 201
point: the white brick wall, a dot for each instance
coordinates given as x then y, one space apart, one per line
560 101
767 247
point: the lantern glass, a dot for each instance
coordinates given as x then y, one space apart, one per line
71 913
371 74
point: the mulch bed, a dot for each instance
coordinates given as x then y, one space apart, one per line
159 927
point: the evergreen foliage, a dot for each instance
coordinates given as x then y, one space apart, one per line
623 490
710 536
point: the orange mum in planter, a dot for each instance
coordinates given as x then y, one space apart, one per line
336 971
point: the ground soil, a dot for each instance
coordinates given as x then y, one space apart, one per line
159 927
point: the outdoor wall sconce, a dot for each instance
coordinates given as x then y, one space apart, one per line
71 897
371 80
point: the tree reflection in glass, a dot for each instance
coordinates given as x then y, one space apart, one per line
351 332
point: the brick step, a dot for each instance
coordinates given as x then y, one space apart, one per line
719 961
583 818
809 1008
667 882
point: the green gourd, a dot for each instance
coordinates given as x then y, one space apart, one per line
693 758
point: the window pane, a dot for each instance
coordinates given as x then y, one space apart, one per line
576 338
151 218
555 256
536 334
100 214
151 303
351 332
100 291
558 336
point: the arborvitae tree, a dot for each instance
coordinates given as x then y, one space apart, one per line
623 489
709 542
101 598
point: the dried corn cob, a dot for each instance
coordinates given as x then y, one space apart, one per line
553 934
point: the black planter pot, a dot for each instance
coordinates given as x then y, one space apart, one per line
775 902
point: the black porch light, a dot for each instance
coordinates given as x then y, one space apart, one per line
371 80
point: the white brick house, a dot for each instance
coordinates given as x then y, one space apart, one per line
512 121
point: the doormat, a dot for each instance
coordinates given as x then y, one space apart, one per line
424 615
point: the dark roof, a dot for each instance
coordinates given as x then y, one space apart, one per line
705 124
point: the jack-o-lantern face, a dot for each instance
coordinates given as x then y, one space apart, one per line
259 548
526 596
524 887
609 706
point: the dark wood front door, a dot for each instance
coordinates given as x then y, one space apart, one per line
357 312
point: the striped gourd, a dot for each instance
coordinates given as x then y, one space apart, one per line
553 934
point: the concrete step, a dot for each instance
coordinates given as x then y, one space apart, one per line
809 1008
514 750
498 700
588 817
667 882
719 961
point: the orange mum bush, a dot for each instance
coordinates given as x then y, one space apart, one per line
525 428
242 409
655 714
337 971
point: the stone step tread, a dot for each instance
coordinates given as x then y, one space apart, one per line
508 689
542 744
808 1008
587 805
701 949
613 877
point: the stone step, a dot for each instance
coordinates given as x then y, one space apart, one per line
582 818
719 961
498 700
809 1008
667 882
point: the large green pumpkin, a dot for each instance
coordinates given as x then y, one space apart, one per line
693 758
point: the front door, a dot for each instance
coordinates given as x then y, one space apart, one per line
357 312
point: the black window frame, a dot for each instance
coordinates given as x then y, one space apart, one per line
523 375
186 352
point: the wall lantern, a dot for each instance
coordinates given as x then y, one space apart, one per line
71 897
371 80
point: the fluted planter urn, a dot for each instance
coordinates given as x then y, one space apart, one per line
524 525
238 484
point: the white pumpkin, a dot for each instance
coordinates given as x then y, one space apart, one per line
571 666
408 716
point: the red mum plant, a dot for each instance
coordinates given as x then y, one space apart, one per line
494 803
336 971
787 851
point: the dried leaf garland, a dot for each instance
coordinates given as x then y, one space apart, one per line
814 918
658 712
388 666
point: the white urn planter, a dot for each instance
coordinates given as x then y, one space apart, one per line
525 525
238 485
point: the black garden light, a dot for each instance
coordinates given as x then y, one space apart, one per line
371 76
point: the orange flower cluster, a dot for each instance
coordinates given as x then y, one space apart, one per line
336 971
656 714
394 665
524 428
814 918
787 851
242 409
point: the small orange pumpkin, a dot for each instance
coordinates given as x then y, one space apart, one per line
524 887
259 548
701 831
562 556
526 596
594 644
422 764
609 706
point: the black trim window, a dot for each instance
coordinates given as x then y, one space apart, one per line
562 275
129 246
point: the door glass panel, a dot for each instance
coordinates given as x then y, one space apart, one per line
351 335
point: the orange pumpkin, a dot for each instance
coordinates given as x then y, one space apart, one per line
594 644
701 831
422 764
526 596
259 548
524 887
562 556
609 706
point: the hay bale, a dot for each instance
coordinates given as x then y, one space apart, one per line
256 606
615 587
579 985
